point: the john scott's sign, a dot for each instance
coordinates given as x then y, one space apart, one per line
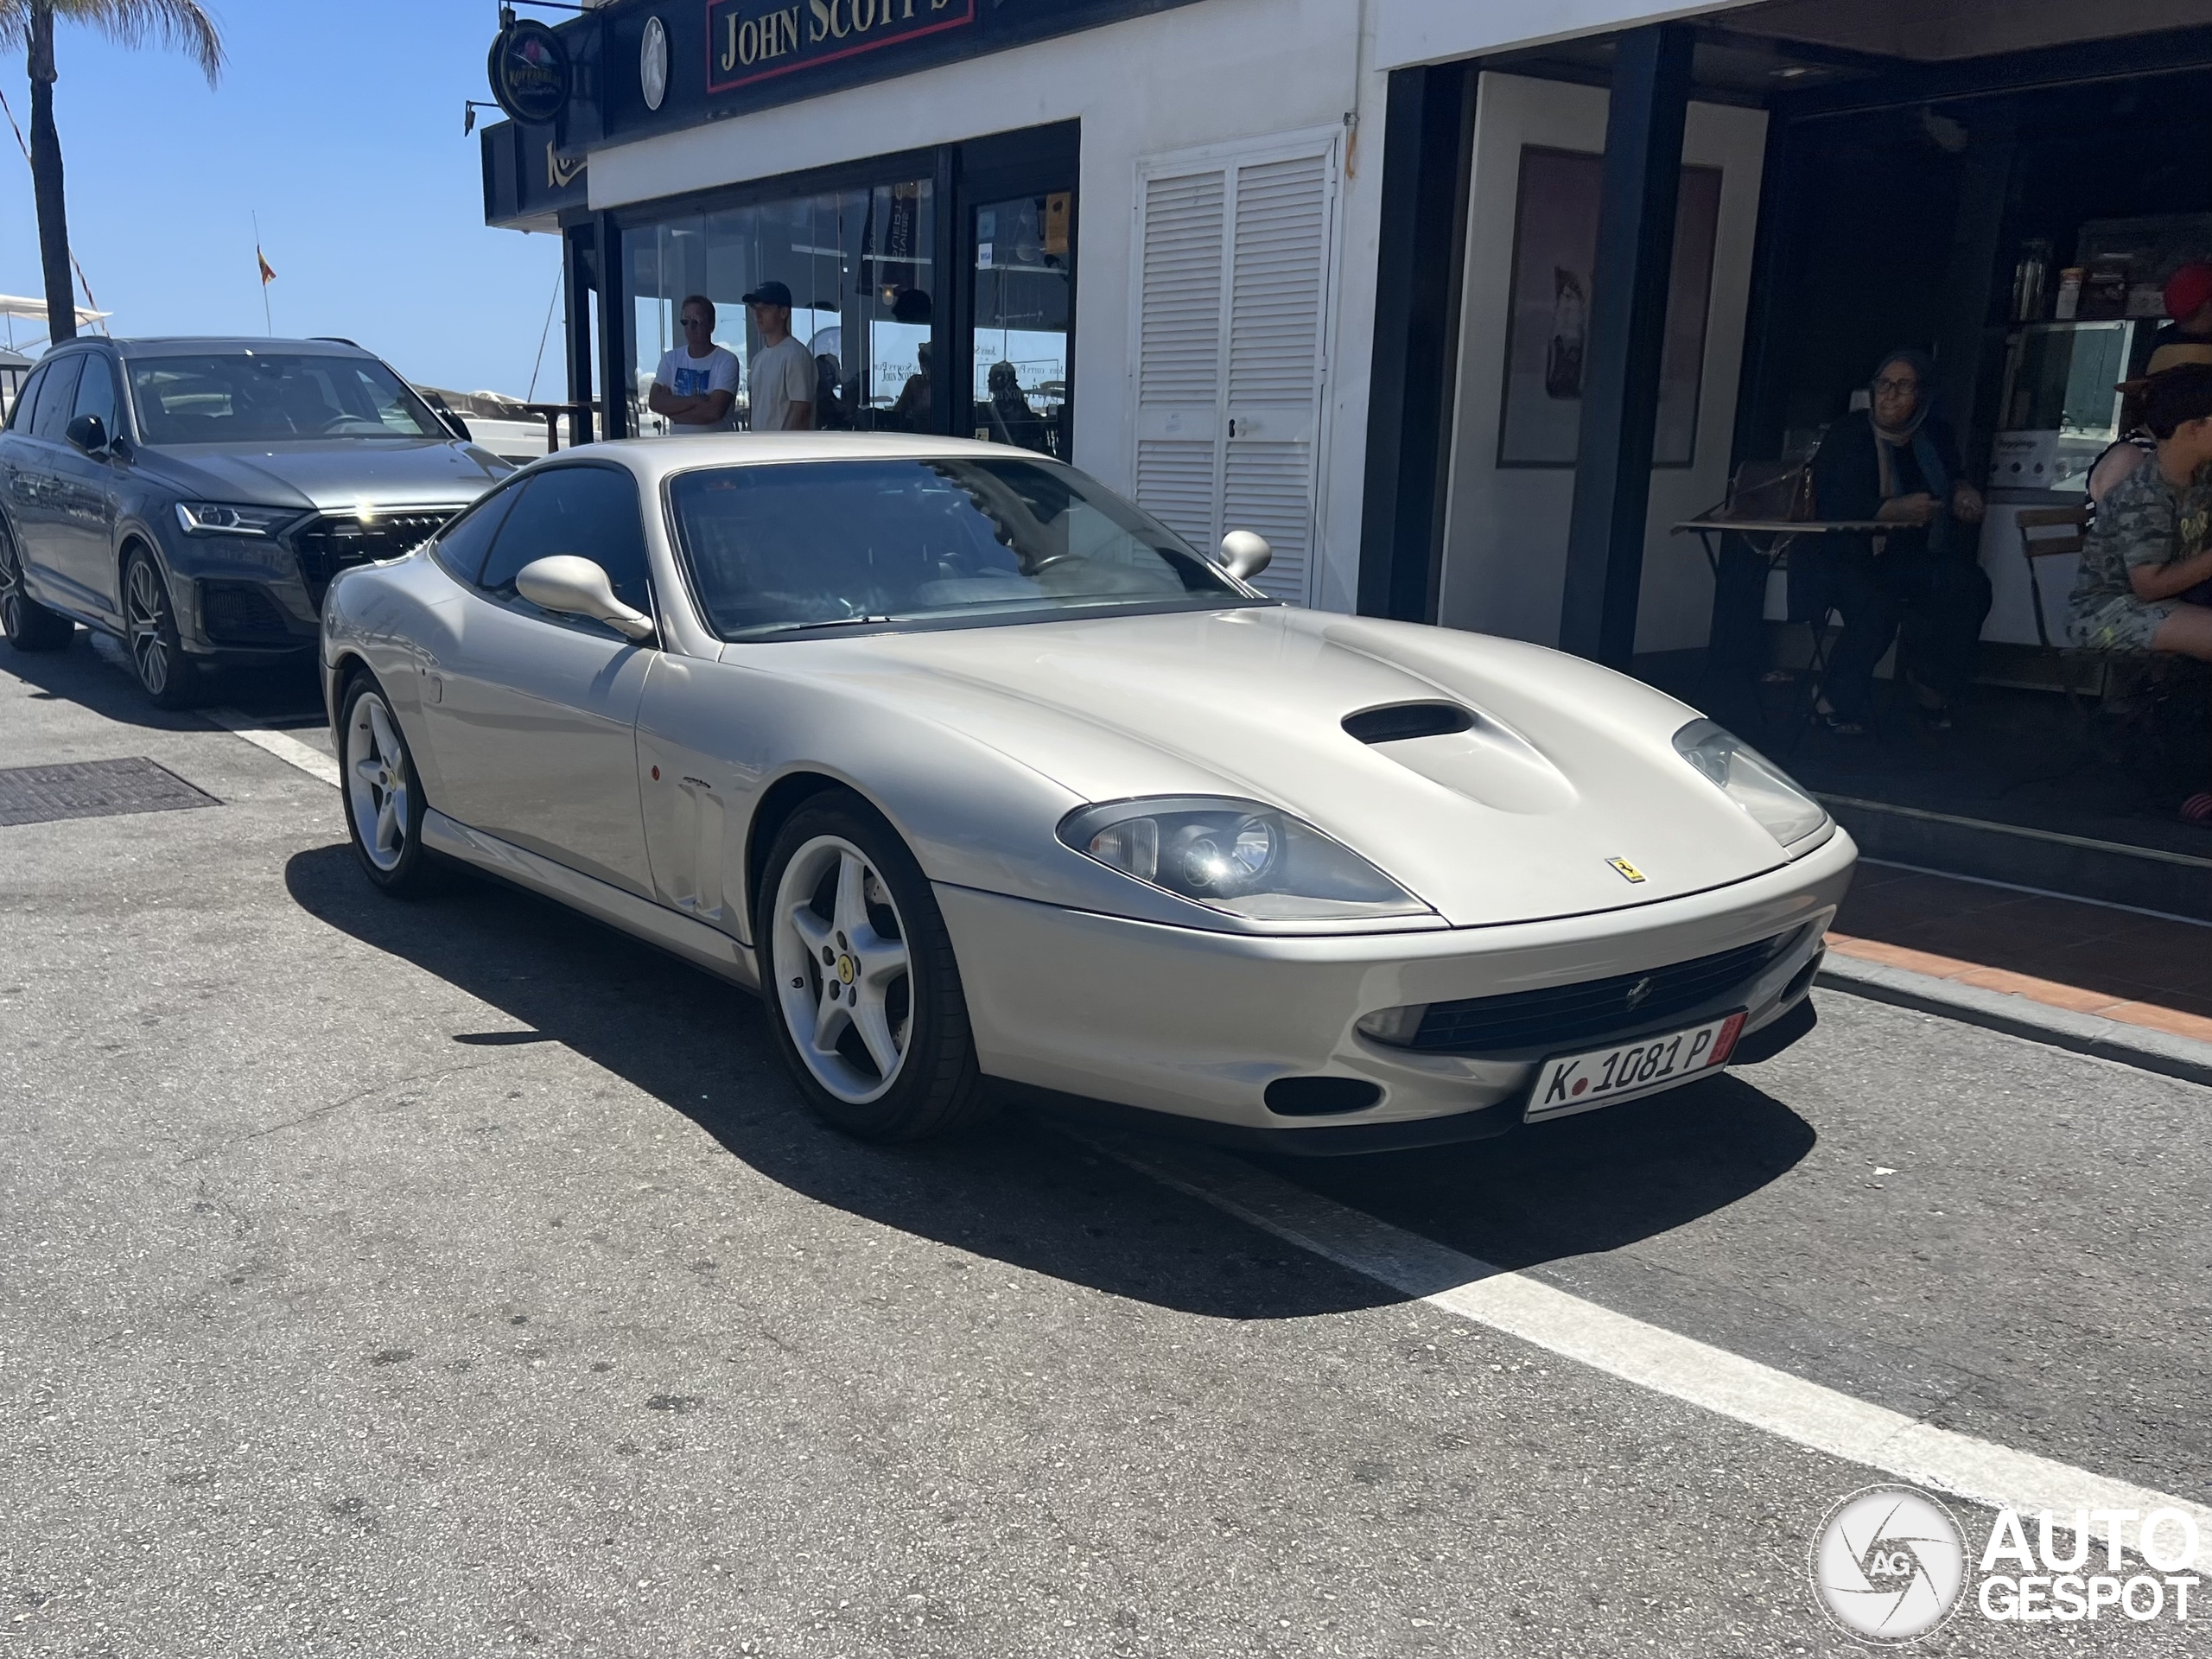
750 40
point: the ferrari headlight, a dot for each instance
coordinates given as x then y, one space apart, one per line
1237 856
1752 781
215 518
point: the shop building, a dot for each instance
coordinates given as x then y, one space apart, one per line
1329 268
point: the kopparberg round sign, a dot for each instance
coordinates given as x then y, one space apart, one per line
530 72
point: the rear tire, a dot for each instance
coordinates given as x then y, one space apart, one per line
166 675
28 624
857 971
383 797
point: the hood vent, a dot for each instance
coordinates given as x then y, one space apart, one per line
1402 720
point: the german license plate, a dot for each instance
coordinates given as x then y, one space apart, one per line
1576 1083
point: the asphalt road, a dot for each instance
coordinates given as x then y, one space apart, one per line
461 1278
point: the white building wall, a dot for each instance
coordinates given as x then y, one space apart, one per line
1206 74
1505 528
1200 75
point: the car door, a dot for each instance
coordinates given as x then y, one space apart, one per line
16 452
534 724
87 490
34 489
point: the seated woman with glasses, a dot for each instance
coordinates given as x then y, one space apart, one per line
1896 462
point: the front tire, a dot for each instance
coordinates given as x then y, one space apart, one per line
28 624
858 973
165 673
383 797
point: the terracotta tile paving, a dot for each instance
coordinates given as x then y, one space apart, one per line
2142 970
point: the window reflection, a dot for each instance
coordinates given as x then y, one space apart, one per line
858 265
1020 321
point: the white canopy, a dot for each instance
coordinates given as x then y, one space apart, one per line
14 305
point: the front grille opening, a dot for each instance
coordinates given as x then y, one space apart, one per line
330 543
1403 720
241 614
1563 1015
1320 1096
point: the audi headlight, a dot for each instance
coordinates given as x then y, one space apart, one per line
1752 781
216 518
1237 856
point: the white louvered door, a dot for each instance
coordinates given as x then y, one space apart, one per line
1179 350
1231 324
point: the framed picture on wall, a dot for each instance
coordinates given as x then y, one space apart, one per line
1546 333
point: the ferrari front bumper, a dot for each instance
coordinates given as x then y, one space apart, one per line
1197 1024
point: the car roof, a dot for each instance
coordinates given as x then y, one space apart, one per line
654 459
222 345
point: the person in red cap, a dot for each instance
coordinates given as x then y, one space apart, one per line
2188 337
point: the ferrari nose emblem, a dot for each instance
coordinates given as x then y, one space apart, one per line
845 971
1628 872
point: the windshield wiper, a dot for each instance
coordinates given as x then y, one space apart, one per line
798 627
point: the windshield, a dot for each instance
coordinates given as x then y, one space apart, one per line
269 397
801 545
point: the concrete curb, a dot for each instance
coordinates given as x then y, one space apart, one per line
2017 1016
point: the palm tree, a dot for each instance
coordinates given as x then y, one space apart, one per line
29 24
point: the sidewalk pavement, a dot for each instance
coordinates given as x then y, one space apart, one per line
2090 977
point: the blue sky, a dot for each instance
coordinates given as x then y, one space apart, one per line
339 122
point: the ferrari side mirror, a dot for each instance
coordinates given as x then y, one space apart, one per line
569 586
1245 553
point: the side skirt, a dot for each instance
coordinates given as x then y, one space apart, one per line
695 941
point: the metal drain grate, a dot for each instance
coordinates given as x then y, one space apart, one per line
94 789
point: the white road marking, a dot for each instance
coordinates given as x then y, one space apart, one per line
1743 1391
308 758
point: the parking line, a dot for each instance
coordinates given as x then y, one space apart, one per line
308 758
1744 1390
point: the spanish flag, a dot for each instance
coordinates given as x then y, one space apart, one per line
267 275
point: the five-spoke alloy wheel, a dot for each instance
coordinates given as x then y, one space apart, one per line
383 801
860 977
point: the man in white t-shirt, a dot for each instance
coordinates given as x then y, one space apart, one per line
696 386
782 369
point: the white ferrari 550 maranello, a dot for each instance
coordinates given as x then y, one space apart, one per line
978 773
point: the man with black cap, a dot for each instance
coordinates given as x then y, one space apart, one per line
782 371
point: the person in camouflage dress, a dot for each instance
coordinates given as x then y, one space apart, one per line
2149 545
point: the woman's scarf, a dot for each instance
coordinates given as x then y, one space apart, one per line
1913 435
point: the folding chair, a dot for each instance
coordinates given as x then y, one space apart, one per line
2050 533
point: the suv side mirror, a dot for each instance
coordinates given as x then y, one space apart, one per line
88 433
569 586
1244 554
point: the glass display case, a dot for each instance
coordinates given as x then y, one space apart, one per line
2061 404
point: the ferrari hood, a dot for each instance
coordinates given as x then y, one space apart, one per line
1563 795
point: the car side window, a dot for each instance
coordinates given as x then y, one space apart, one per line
96 392
461 546
19 413
591 511
54 397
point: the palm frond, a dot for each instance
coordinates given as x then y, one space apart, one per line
181 25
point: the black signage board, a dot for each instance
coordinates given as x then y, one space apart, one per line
530 71
728 57
527 176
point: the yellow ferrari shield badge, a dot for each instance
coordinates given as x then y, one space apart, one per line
1628 872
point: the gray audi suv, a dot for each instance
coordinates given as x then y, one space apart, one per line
195 497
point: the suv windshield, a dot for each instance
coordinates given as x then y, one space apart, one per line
790 546
269 397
